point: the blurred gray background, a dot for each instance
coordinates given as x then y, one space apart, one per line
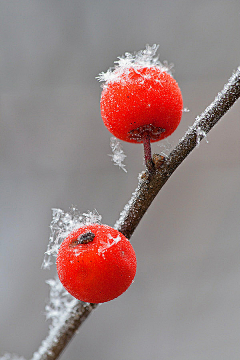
185 301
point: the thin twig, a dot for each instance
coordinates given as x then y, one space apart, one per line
148 187
60 335
150 184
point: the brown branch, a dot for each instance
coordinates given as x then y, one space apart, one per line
150 183
60 335
148 187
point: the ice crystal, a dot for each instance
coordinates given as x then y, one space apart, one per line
61 303
92 217
200 135
117 155
137 60
60 300
61 225
63 314
166 147
8 356
107 244
130 204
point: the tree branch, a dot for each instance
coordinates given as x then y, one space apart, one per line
150 183
148 187
60 335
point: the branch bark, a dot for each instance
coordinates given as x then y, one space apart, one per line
148 187
150 183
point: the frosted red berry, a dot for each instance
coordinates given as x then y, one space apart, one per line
96 263
140 101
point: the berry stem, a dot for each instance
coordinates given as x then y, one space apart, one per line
147 152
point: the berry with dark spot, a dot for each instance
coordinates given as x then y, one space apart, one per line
96 263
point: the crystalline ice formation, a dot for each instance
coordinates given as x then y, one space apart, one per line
166 147
118 155
106 245
200 135
61 225
60 300
142 58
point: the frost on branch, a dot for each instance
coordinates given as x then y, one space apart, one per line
165 147
142 58
60 300
200 135
118 155
61 225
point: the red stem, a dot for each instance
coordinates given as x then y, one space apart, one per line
147 152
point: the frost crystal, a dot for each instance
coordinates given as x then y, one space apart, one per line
166 147
106 245
137 60
8 356
118 155
200 135
60 300
61 225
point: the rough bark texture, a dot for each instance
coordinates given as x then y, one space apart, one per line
59 337
150 183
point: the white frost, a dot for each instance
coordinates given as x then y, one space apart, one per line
118 155
59 322
200 135
60 300
62 225
106 245
166 147
91 217
137 60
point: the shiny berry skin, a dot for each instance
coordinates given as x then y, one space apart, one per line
96 263
140 101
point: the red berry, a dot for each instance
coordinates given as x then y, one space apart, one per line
96 263
140 100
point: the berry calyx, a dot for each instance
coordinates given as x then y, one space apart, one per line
96 263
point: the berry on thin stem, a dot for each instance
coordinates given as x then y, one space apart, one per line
140 96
